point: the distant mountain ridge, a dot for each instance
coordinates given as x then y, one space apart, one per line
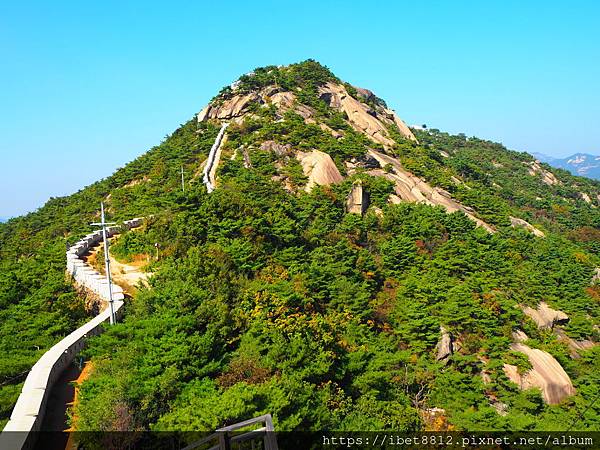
582 164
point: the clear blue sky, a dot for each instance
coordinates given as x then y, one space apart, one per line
86 87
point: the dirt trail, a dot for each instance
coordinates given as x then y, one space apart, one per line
84 375
126 275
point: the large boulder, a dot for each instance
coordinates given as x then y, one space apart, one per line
546 374
519 336
358 199
319 168
444 347
544 316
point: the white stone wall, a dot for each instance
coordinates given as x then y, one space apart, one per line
213 160
28 412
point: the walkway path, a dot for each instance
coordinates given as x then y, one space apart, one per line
36 395
210 169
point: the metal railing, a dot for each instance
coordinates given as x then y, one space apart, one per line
225 438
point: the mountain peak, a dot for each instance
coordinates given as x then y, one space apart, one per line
312 91
583 164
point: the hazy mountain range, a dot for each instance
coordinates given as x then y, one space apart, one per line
582 164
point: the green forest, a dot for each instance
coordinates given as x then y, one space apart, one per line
269 299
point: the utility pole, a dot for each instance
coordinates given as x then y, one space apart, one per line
104 224
182 183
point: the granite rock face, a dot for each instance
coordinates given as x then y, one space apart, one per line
548 177
372 121
319 168
575 346
362 117
516 222
544 316
444 347
358 199
229 109
519 336
410 188
546 374
366 114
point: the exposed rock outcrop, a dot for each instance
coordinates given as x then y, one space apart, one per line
324 127
246 158
228 109
367 95
516 222
546 374
458 182
575 347
362 162
235 108
319 168
444 347
547 177
586 198
362 117
286 101
410 188
596 277
373 122
283 100
137 181
278 149
358 199
544 316
519 336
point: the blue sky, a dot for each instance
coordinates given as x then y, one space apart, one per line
88 86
